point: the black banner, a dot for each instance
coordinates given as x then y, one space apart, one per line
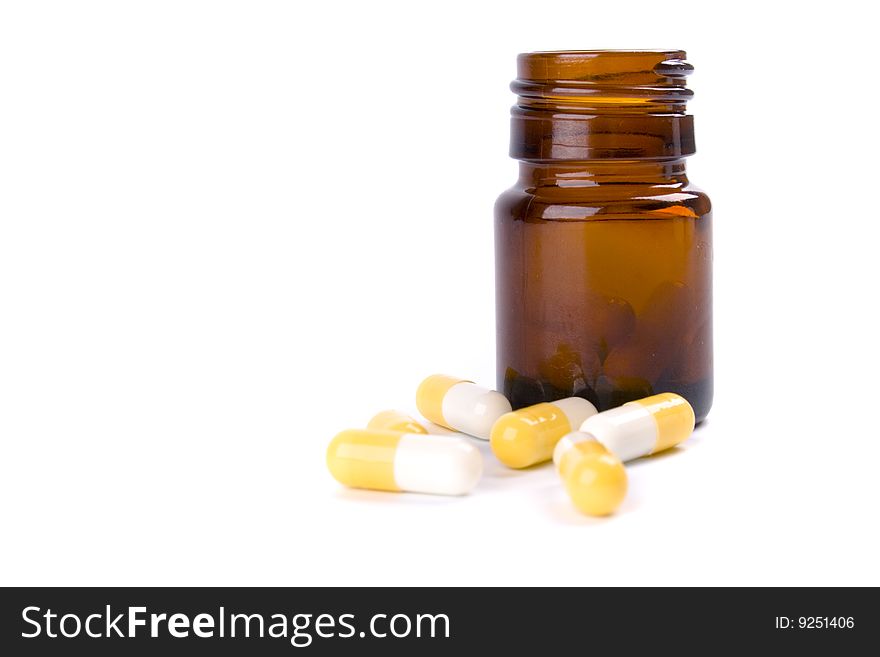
334 621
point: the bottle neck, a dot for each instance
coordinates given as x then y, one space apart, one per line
577 106
600 172
546 136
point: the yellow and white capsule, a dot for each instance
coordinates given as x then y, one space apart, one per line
593 477
638 428
394 461
395 421
460 405
527 436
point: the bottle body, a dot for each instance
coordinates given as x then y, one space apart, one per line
603 264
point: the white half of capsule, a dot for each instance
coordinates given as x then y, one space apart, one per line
628 432
438 465
576 410
472 409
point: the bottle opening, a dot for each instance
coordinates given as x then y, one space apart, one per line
628 80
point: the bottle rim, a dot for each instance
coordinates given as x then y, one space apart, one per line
604 51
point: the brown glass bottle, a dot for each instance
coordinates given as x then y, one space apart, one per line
603 247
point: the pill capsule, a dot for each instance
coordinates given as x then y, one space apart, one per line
655 340
460 405
614 321
523 390
568 370
593 477
637 428
395 421
528 436
394 461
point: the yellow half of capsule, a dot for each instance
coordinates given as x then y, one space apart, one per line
430 394
594 478
395 421
364 459
674 417
527 436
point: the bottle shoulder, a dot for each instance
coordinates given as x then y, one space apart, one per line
553 203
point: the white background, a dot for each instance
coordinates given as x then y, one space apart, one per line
229 230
